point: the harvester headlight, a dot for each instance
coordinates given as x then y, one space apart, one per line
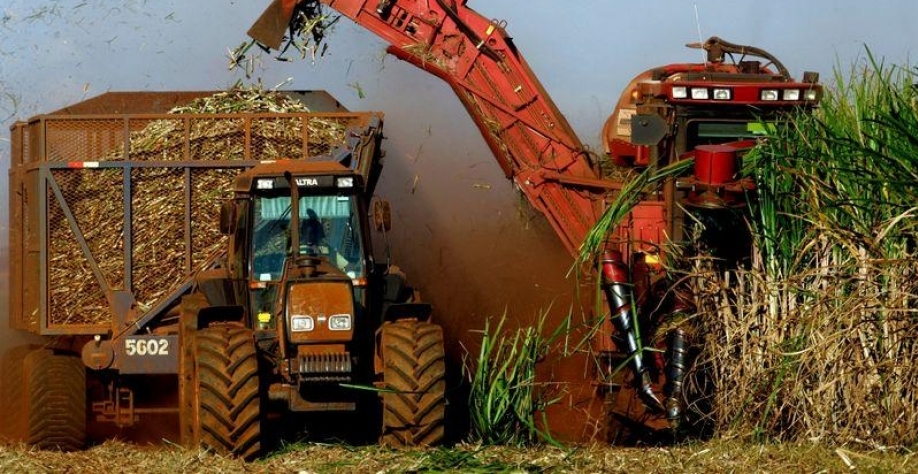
790 94
680 92
301 323
769 94
339 322
700 93
345 182
811 94
723 94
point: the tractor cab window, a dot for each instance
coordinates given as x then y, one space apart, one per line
327 228
271 236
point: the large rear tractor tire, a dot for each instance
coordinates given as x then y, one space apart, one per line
414 399
228 412
55 403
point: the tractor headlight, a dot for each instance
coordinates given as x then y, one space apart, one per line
339 322
301 323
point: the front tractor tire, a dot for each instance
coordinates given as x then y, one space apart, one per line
414 377
228 409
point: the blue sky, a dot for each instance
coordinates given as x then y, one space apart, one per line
56 52
53 53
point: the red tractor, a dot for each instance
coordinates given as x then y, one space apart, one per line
710 112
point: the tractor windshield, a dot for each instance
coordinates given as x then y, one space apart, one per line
327 228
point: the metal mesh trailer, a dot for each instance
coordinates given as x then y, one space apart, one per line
114 202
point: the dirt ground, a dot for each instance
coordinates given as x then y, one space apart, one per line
713 456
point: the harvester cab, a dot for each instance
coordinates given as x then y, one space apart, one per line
668 111
713 113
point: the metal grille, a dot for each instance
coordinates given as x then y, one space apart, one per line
83 140
26 148
161 139
75 296
329 367
217 138
209 187
158 233
327 132
275 138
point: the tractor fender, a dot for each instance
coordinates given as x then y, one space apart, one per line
398 311
217 286
210 315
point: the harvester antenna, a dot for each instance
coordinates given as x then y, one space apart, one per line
698 27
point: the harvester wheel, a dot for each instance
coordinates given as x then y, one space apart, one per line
55 403
228 418
414 402
12 415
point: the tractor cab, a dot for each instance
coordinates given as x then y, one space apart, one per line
298 242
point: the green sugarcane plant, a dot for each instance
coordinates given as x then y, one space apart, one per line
818 332
506 402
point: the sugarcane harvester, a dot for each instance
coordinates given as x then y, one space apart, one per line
710 112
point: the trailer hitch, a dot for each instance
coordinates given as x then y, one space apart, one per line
618 295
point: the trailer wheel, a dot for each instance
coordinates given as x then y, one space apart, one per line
12 415
228 418
55 403
414 402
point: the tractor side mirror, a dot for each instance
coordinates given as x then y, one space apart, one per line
227 217
382 215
